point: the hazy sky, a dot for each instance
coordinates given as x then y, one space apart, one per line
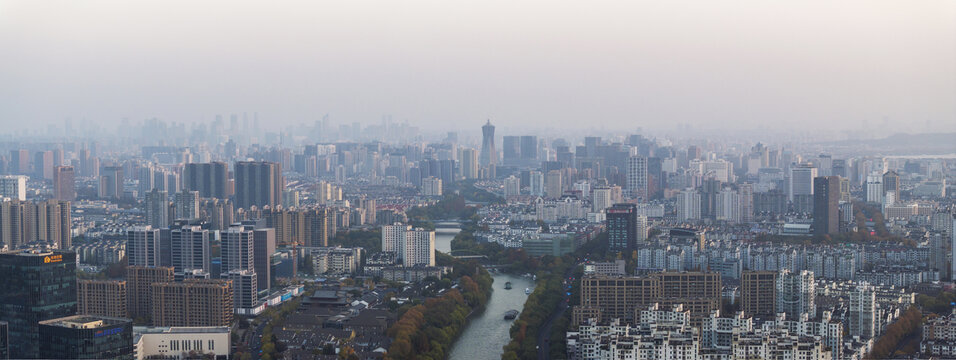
616 64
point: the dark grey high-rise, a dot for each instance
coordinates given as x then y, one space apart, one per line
622 226
36 285
264 243
489 155
826 202
209 179
511 150
258 183
529 148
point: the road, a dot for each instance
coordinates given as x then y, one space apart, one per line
252 337
544 335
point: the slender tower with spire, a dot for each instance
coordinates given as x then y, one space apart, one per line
489 156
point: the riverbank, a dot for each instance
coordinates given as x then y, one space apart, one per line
428 330
487 332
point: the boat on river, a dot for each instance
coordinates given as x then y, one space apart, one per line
508 285
511 314
527 291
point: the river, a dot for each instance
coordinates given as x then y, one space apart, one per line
443 238
488 332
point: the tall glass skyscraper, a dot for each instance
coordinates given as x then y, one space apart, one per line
35 285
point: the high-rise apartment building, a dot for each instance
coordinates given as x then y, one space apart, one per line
615 297
319 226
469 163
745 198
111 182
43 165
952 244
211 180
139 283
863 312
411 246
24 223
187 205
64 188
845 190
102 298
310 227
637 176
393 237
245 288
258 183
431 186
157 209
600 199
758 293
728 206
688 205
419 248
536 182
801 180
709 191
36 285
826 205
19 162
512 186
796 292
193 302
874 189
189 249
13 187
143 247
554 184
238 249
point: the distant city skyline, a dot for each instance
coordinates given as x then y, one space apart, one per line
615 66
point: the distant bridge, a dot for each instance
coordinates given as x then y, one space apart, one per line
467 255
447 225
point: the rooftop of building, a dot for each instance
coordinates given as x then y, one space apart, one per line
180 330
84 321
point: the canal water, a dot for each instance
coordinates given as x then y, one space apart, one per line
443 238
488 331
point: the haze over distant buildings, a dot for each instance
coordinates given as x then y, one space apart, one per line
886 66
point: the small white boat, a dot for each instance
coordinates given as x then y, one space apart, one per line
527 291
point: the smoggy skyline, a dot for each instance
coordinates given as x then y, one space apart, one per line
736 64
